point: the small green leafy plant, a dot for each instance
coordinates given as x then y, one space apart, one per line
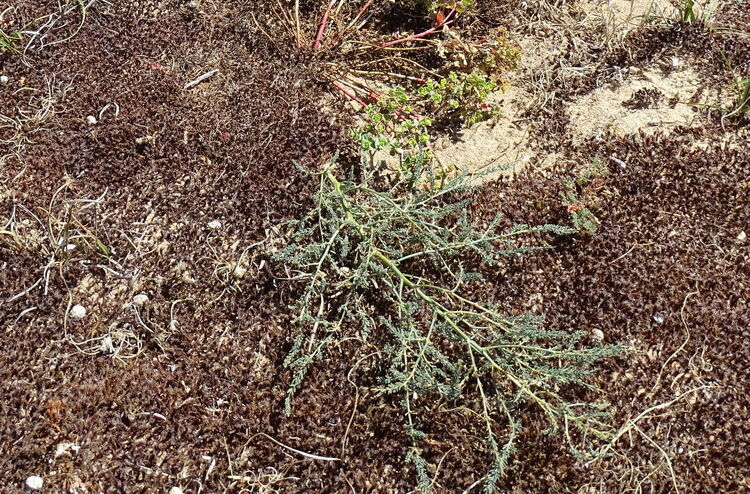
389 263
687 13
459 95
394 122
579 196
391 125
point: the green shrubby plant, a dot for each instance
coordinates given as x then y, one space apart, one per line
386 260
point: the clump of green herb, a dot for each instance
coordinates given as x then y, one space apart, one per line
579 196
459 95
391 124
387 261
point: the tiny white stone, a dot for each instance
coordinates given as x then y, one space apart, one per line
742 236
78 312
35 482
4 79
175 490
107 345
63 448
658 319
598 334
70 247
215 224
91 120
140 299
239 272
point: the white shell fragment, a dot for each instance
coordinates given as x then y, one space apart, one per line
34 482
140 299
77 312
239 272
91 120
4 79
63 448
214 225
598 335
107 345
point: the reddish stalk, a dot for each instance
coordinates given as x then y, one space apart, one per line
322 27
361 12
351 95
374 97
449 19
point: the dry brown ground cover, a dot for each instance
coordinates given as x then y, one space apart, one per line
186 386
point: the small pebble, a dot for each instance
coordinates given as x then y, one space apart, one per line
598 335
91 120
4 79
140 299
175 490
658 319
239 272
35 482
215 224
107 345
145 140
742 237
78 312
63 448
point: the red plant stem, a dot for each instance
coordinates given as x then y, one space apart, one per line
322 27
349 94
363 9
371 96
374 96
361 12
430 31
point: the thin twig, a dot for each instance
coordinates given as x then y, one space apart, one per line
200 79
306 455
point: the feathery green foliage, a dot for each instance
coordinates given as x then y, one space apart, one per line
387 260
743 97
9 41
